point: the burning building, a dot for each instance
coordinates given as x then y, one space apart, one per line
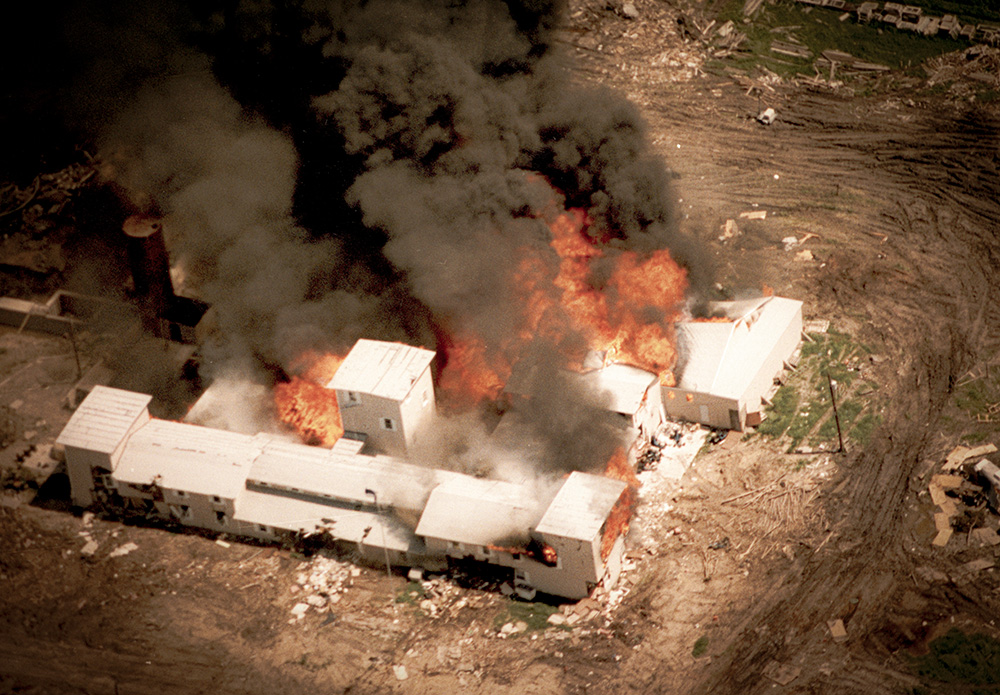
728 366
561 539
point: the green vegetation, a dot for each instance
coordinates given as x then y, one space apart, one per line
802 410
821 29
782 411
412 594
700 646
957 661
536 615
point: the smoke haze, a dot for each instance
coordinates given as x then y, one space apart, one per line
331 171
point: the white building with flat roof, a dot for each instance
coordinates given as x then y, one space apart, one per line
266 487
385 392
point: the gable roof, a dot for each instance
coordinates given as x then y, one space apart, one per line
479 512
195 459
723 357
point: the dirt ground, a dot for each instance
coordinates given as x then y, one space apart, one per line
901 192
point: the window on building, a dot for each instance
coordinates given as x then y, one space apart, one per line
180 493
216 499
220 516
181 511
389 424
263 529
353 398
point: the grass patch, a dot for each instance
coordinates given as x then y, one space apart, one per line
957 659
700 646
821 30
536 615
412 594
861 433
781 413
804 401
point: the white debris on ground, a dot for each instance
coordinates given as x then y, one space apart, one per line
321 582
122 550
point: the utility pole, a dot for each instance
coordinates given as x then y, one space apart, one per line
836 416
388 571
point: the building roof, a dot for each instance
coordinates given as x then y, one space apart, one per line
581 506
103 419
626 385
479 512
179 456
723 357
295 514
387 370
345 477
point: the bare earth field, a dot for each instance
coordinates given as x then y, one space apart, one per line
900 191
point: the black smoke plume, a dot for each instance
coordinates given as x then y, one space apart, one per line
361 168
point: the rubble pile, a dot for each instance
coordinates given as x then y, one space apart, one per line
965 498
975 64
321 584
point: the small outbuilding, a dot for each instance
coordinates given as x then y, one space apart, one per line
728 365
385 392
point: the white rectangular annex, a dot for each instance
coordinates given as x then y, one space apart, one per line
726 368
581 506
103 419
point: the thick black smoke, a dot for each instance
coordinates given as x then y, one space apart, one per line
359 168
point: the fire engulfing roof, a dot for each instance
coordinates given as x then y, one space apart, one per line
381 369
478 512
581 506
195 459
722 358
103 419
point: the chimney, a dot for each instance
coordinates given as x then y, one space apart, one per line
150 265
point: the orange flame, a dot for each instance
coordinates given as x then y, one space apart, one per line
306 405
617 523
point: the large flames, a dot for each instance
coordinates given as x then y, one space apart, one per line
306 405
617 523
628 315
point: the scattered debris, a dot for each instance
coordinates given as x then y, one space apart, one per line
990 475
942 538
400 672
721 544
123 550
766 116
837 630
782 674
960 454
805 255
729 230
754 215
